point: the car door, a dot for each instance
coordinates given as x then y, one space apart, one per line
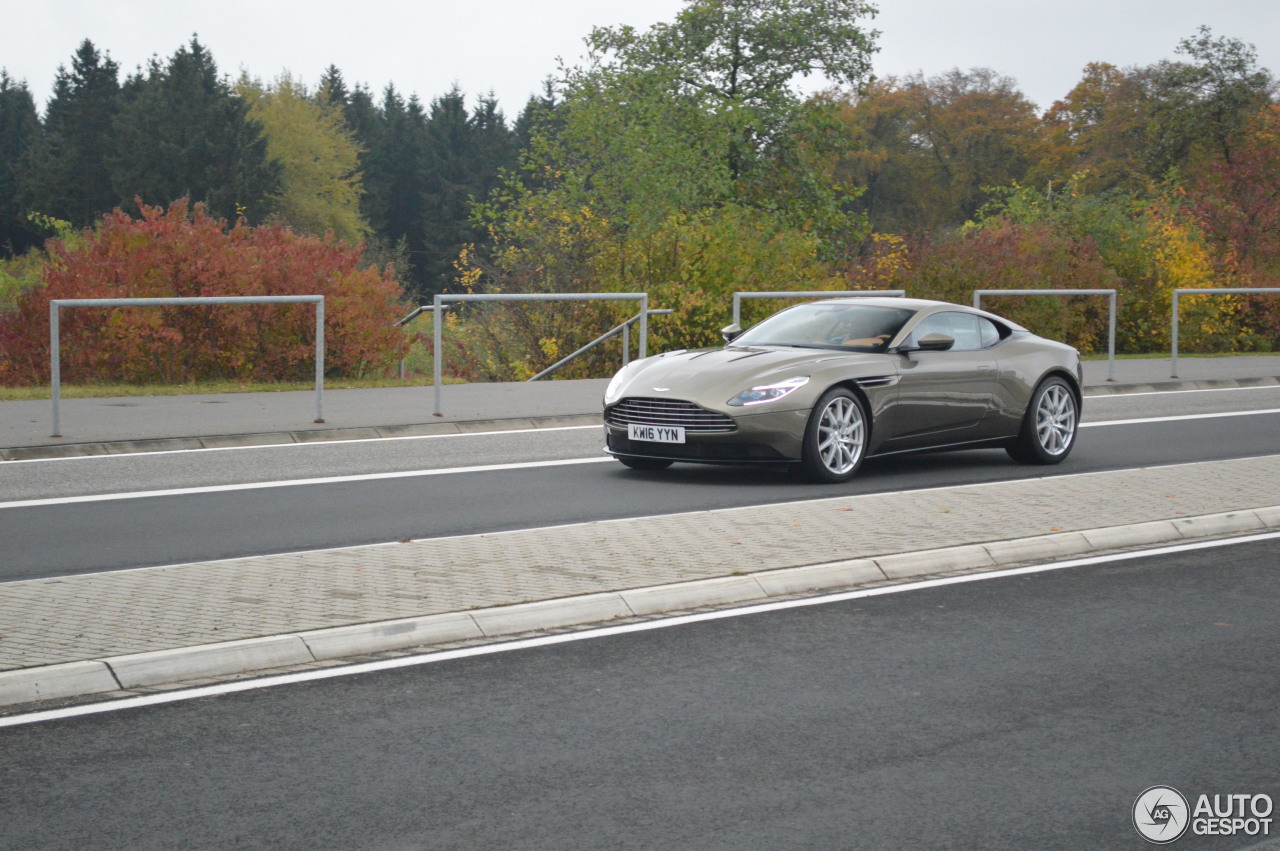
945 397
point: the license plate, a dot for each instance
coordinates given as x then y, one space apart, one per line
656 434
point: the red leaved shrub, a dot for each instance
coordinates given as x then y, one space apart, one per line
184 252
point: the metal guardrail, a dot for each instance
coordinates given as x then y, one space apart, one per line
55 358
1173 328
439 302
1111 322
624 329
738 297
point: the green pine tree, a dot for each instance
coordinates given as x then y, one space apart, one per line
19 127
183 132
67 174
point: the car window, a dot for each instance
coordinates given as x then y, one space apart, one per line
990 333
963 327
829 325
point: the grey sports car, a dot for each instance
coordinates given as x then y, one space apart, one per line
823 385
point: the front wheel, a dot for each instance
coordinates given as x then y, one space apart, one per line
1049 425
835 440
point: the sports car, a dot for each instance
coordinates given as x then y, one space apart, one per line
822 386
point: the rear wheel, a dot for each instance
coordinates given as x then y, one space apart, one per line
1049 425
645 463
836 437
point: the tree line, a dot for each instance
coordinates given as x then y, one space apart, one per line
682 160
386 170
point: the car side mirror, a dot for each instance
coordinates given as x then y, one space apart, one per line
731 332
934 342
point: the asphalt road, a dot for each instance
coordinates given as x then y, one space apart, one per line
1016 712
77 537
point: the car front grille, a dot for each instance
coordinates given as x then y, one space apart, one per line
669 412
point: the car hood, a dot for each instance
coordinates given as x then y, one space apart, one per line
710 377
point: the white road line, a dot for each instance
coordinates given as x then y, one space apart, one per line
305 444
1180 417
601 632
1179 392
486 468
327 480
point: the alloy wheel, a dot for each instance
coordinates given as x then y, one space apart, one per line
1056 419
841 435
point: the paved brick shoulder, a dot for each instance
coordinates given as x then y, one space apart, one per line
66 619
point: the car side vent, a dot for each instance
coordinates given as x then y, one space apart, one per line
877 381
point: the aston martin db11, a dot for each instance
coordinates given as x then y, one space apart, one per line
824 385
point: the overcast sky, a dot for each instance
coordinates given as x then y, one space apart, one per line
510 46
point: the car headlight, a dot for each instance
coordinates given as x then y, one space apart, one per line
768 392
615 387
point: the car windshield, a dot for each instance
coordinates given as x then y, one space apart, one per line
841 326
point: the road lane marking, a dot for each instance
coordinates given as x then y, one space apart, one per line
1129 395
327 480
1181 417
308 443
590 633
485 468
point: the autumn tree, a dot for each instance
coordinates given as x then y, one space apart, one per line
692 116
1005 254
1128 128
1238 201
318 157
926 150
1203 104
680 160
1097 132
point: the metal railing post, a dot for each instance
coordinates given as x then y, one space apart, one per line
437 351
55 356
55 365
626 343
320 360
644 327
1111 340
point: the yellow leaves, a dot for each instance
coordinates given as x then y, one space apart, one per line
888 260
319 158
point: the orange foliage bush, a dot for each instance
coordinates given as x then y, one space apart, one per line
183 252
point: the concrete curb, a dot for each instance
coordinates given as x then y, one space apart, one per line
28 685
49 682
208 660
1179 384
284 438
